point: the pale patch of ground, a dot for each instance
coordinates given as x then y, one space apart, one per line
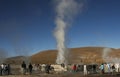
62 75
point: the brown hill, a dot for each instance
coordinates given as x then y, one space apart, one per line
77 55
16 60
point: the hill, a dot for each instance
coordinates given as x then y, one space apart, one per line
77 55
17 60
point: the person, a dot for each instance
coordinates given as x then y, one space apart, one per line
63 65
8 69
30 68
5 69
117 67
23 68
2 68
85 70
113 69
105 68
102 68
47 68
74 68
109 69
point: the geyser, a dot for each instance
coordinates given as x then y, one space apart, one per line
3 55
105 55
65 10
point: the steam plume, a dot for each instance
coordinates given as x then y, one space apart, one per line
105 55
66 10
3 55
108 58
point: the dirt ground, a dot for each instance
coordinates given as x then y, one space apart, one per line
16 73
63 75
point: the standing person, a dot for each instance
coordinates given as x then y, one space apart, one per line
63 65
30 68
113 69
2 68
105 68
74 68
117 67
23 68
85 70
102 68
5 69
48 68
109 69
8 69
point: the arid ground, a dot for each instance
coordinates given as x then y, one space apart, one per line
61 75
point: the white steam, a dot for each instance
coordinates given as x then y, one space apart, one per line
109 59
105 55
3 55
66 10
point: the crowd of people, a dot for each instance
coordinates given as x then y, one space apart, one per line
35 67
5 69
25 69
109 68
104 68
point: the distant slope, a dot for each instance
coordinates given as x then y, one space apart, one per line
17 60
48 56
77 55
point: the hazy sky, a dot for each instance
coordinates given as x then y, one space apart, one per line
27 26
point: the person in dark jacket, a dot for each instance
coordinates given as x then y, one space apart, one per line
23 68
8 69
0 70
63 65
48 68
30 68
113 69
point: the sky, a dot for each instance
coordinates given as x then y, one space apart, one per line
27 26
